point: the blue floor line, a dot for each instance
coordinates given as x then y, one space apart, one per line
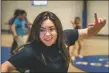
5 54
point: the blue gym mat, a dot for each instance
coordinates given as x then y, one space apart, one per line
5 54
101 59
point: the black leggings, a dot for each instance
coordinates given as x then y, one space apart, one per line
14 46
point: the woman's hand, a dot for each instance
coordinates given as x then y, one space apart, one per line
94 28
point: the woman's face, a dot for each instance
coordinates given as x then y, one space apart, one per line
48 33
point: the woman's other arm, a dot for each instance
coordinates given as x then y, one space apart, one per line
7 67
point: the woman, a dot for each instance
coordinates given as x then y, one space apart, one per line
47 51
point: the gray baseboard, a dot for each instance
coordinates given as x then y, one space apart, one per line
104 35
4 31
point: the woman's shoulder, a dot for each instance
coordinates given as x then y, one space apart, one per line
25 46
31 50
27 49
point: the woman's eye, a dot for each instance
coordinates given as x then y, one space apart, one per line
52 29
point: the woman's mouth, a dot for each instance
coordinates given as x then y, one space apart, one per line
48 40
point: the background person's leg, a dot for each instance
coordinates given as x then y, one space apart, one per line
13 47
20 42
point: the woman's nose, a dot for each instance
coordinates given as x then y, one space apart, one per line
47 33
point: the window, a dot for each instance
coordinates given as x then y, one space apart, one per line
39 3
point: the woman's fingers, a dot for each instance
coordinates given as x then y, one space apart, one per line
96 18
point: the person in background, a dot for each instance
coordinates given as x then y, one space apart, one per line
77 47
76 23
47 50
20 29
10 22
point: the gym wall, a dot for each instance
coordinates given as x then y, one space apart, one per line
65 10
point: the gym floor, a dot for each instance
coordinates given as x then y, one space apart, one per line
96 45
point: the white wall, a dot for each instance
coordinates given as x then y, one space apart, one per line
65 10
101 8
